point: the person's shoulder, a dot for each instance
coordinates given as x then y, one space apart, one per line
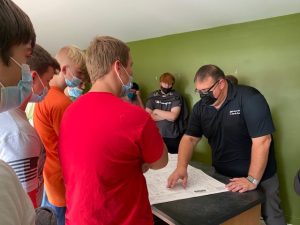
135 111
198 105
156 93
54 99
176 94
8 122
247 91
60 101
4 117
57 95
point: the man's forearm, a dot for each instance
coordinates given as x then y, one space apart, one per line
259 156
186 148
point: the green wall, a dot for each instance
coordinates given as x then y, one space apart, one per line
264 54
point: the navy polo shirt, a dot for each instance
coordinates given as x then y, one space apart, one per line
245 114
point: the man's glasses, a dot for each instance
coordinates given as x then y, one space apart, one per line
205 91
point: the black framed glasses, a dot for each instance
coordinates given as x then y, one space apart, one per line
204 92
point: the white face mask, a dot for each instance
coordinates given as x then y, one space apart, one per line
13 96
37 98
125 87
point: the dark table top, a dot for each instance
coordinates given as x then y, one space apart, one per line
209 209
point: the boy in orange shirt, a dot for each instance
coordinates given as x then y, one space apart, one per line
47 117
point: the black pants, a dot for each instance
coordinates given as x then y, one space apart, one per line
172 144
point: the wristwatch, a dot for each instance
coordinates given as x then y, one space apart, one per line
252 180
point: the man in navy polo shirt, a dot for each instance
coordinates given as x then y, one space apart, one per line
238 124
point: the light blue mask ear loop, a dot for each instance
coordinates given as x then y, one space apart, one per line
130 78
36 97
16 62
125 87
41 84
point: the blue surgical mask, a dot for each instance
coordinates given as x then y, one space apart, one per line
74 82
14 96
125 87
38 98
74 92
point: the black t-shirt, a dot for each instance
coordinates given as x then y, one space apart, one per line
165 102
245 114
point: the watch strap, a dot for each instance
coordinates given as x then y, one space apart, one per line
252 180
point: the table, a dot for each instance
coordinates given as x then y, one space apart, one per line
226 208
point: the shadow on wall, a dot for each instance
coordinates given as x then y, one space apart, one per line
186 88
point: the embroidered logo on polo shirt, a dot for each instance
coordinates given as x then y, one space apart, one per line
234 112
162 103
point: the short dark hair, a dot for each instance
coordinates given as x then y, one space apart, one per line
40 60
135 86
209 71
15 29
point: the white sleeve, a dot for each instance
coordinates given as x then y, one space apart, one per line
15 205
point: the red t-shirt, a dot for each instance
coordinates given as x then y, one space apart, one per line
103 143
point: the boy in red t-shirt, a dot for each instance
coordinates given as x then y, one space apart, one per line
106 144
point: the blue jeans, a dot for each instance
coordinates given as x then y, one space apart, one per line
58 211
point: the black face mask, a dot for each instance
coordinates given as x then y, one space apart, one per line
166 90
208 98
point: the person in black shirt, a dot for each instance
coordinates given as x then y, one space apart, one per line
238 124
164 106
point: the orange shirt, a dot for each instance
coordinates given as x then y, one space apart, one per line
46 118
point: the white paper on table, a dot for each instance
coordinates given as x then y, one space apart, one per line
199 184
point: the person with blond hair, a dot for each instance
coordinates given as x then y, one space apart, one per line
47 118
73 91
104 163
164 106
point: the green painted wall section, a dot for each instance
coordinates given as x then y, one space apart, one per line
264 54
